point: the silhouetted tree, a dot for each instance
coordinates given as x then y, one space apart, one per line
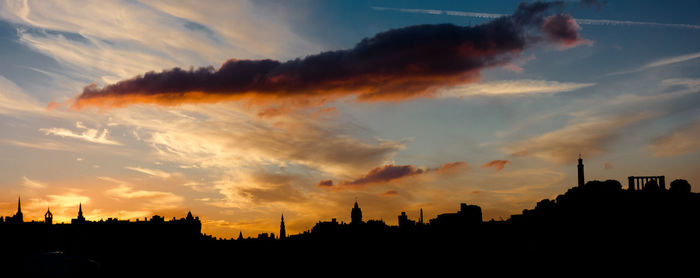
651 186
680 186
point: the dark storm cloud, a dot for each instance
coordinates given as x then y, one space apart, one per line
390 173
394 65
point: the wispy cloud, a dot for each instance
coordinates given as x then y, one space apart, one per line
99 39
89 135
150 199
592 136
513 87
661 62
155 173
671 60
33 183
14 100
582 21
167 199
67 200
680 141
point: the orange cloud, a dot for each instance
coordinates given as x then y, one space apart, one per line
390 173
324 183
390 66
498 164
563 29
451 167
390 193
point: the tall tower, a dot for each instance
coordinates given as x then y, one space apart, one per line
581 179
48 217
356 214
19 217
283 231
420 220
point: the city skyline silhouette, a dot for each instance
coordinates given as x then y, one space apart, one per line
85 248
182 138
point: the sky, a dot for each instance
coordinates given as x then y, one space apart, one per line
241 111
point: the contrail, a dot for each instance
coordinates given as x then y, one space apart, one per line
582 21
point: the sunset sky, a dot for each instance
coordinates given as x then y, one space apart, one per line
282 107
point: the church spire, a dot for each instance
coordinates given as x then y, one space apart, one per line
81 218
18 218
283 231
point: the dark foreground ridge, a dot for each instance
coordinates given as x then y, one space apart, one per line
597 219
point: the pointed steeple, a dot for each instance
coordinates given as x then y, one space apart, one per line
189 216
18 218
240 235
81 218
283 231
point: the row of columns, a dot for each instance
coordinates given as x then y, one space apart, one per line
638 183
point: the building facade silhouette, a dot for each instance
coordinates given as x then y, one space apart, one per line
17 218
356 215
641 182
48 216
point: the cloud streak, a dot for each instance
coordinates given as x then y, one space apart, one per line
592 137
398 64
155 173
513 87
682 140
582 21
89 135
391 173
497 164
32 183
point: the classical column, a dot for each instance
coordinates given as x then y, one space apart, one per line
630 183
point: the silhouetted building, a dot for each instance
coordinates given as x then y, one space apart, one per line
581 179
404 222
48 217
640 183
81 218
18 217
356 215
283 232
468 215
